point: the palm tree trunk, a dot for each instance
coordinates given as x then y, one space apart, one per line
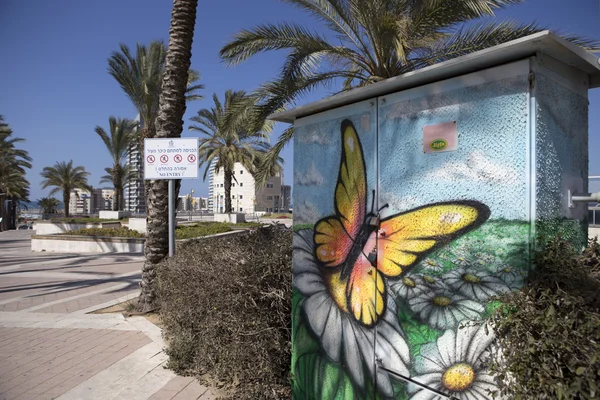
66 200
117 200
169 123
228 178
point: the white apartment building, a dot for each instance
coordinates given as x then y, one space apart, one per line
187 203
86 202
104 198
81 202
134 195
244 196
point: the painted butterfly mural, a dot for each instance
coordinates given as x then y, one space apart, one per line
358 251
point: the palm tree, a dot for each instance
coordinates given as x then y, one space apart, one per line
13 185
169 123
230 137
141 78
49 205
65 177
122 135
366 41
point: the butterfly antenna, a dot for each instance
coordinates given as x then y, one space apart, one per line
386 205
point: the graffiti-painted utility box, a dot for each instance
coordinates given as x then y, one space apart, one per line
419 198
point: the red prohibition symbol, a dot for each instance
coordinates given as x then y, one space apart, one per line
177 158
151 159
164 158
192 158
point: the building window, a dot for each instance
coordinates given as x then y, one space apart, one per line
269 197
233 196
233 185
269 185
241 184
241 209
241 196
241 171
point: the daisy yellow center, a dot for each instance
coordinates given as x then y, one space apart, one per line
458 377
442 301
428 279
337 289
409 282
471 278
507 270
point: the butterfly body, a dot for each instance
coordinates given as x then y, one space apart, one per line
358 251
358 247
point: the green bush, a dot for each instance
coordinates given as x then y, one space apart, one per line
200 229
106 232
226 309
549 332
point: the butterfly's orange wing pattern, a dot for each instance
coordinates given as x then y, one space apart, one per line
334 235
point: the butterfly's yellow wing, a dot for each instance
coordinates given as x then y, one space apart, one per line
335 235
404 239
401 242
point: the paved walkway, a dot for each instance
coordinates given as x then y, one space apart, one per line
52 348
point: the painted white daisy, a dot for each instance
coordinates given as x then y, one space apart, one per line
476 284
443 309
456 365
407 287
342 338
511 276
431 282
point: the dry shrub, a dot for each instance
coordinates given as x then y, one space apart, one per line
226 308
550 330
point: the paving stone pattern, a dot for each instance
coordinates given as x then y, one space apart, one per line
51 347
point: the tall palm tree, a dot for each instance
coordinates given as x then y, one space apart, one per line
49 205
169 123
228 137
122 135
366 41
13 185
65 177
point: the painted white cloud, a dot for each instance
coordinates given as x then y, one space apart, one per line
314 137
306 213
396 203
476 168
312 177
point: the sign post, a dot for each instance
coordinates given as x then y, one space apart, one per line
171 159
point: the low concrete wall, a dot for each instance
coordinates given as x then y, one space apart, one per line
137 224
114 214
85 244
231 218
594 232
50 228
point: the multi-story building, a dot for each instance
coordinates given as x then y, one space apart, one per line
286 197
245 198
135 200
102 199
108 197
212 206
81 202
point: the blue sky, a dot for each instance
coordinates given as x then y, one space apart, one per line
55 87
